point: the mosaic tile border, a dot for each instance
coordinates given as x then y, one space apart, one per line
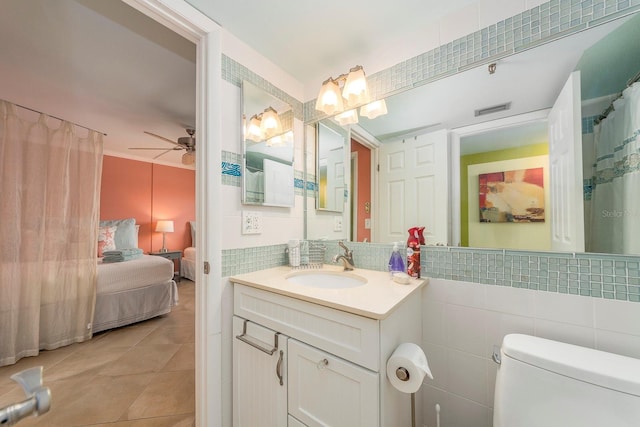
231 169
246 260
542 24
590 275
235 73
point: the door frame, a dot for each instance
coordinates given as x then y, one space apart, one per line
184 19
369 141
455 135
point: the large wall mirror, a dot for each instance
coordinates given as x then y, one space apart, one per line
492 117
268 149
332 143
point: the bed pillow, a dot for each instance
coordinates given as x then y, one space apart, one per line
126 233
193 233
106 239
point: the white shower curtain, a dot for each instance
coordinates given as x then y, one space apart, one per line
615 213
49 196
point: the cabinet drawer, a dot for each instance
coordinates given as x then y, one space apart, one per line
347 335
325 390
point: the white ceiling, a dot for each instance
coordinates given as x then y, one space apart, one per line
103 65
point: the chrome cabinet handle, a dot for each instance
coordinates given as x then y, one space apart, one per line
322 364
279 367
243 338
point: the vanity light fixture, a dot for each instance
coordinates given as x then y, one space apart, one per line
270 124
330 98
254 133
264 125
354 91
347 118
374 109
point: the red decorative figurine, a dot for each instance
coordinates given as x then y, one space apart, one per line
413 251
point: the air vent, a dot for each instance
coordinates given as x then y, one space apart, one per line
494 109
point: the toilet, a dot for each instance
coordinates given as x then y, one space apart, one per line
546 383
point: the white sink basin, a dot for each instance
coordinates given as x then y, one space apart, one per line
326 279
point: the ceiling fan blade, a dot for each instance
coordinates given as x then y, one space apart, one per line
157 148
161 137
163 153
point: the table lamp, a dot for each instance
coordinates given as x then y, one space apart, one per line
164 227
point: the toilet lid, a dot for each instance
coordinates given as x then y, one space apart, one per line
597 367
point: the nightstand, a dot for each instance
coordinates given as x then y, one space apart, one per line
172 255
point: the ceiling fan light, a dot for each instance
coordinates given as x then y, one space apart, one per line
188 158
330 99
374 109
347 118
355 88
270 124
254 132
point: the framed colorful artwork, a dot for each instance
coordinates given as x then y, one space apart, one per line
512 196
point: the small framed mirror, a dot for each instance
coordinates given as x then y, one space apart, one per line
268 149
331 148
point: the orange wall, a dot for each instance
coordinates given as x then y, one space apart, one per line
149 192
364 188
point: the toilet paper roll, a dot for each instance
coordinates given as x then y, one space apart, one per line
407 367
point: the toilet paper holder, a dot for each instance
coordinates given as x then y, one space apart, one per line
402 374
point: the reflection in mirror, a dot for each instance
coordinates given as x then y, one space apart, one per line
268 149
331 141
527 82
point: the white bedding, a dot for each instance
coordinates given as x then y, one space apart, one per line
188 264
118 276
132 291
190 253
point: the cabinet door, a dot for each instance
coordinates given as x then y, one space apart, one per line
259 378
295 423
325 390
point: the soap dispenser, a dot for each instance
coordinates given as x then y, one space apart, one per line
396 264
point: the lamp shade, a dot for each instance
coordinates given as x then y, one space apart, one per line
355 88
253 129
374 109
164 226
347 118
330 99
270 124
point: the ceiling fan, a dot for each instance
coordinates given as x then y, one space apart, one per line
187 143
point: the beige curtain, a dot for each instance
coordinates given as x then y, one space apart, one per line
49 196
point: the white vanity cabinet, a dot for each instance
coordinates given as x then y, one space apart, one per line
335 361
259 375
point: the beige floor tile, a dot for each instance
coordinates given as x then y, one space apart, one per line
155 401
141 375
102 399
170 335
183 360
141 359
170 421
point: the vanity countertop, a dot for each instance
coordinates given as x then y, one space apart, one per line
376 299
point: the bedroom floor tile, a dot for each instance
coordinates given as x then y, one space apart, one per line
140 375
155 401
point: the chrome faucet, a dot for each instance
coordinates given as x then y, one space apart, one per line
38 397
347 257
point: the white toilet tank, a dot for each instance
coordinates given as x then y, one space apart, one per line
545 383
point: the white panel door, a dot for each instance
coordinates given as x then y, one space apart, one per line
565 164
413 183
259 379
335 180
325 390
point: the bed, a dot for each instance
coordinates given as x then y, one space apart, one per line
188 261
131 291
188 264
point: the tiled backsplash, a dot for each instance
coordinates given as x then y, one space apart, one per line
593 275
